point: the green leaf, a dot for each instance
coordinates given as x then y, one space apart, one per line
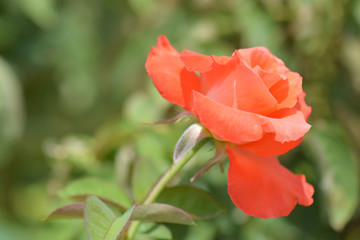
279 229
105 190
152 231
158 212
60 230
69 211
339 174
98 218
119 225
192 200
205 230
11 231
141 108
11 110
144 176
192 136
42 12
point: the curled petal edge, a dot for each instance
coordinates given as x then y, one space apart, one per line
239 127
262 187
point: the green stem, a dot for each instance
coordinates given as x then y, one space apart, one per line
161 184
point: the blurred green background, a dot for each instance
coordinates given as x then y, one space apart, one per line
74 91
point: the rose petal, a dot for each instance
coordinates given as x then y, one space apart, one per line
262 187
221 60
236 85
195 61
189 82
169 74
261 56
283 84
227 123
217 85
269 78
287 93
301 105
267 146
251 94
287 124
280 91
237 126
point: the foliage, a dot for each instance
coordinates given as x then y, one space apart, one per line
74 98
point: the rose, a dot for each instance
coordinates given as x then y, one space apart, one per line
255 104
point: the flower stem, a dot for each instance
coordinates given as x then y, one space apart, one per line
161 184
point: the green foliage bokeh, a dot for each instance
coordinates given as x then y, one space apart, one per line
74 96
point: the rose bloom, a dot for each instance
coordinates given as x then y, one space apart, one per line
255 104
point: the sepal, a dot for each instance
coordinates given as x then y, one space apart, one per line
219 157
192 136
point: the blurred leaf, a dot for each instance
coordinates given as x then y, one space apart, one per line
339 172
123 162
141 7
353 233
111 136
127 71
158 212
351 59
11 110
192 200
69 211
271 229
139 107
98 218
37 201
119 225
76 51
203 230
192 136
9 231
153 147
144 176
95 186
356 12
8 32
59 230
257 27
42 12
152 231
74 149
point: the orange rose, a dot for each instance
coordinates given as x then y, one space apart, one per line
255 104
